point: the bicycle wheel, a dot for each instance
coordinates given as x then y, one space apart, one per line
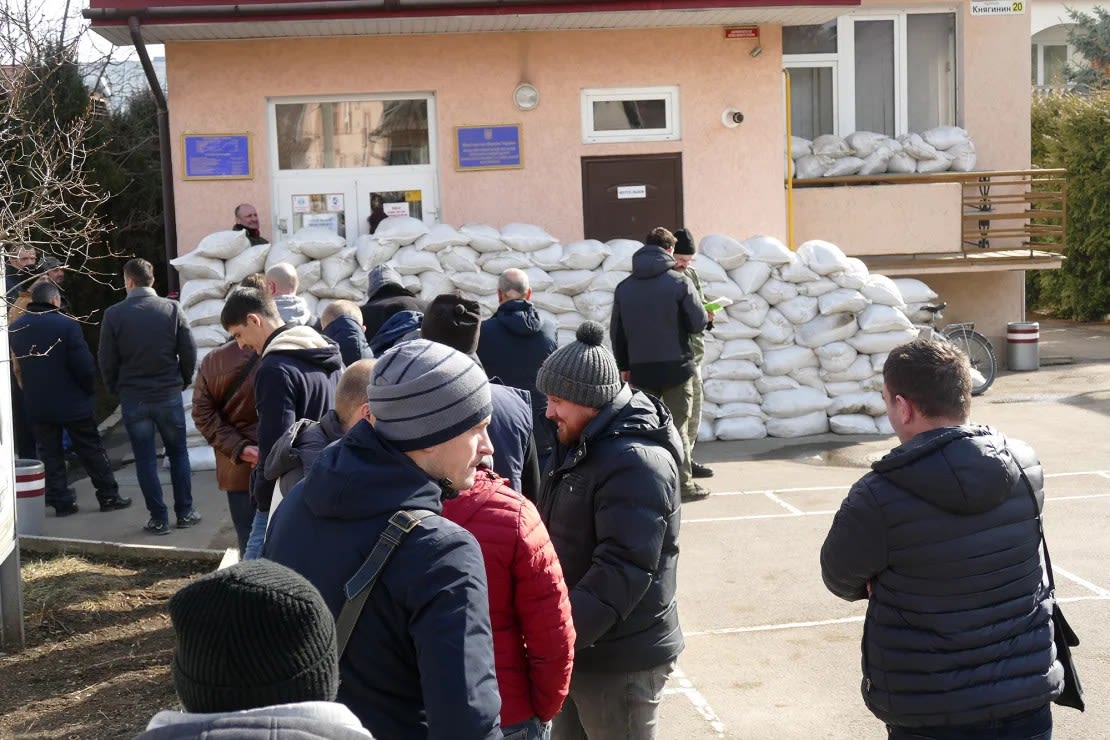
981 355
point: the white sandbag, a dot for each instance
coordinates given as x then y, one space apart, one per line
620 254
731 391
339 266
784 361
316 242
824 258
876 162
798 310
281 252
209 335
724 250
878 360
796 402
565 336
459 259
841 300
751 310
192 266
830 145
742 349
343 289
309 273
549 258
705 431
195 291
916 147
808 376
844 166
877 317
247 262
725 330
411 282
767 249
836 356
800 147
882 290
538 279
707 269
569 320
882 423
857 403
917 314
412 261
433 283
863 143
526 237
874 383
608 281
361 279
843 388
311 302
478 282
400 230
796 272
586 254
439 237
914 291
205 312
941 163
853 278
901 163
766 345
812 166
852 424
799 426
223 245
871 342
554 302
858 371
596 305
712 349
776 328
963 157
750 276
817 288
496 263
945 137
200 458
571 282
739 408
775 291
732 370
739 427
826 329
483 238
771 383
726 289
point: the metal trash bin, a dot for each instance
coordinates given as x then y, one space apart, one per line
1023 345
30 497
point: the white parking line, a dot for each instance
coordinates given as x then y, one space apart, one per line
1082 582
789 507
686 688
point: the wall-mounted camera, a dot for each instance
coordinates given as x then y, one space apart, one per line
732 118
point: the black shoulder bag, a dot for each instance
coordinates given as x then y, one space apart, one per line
1062 633
362 582
238 381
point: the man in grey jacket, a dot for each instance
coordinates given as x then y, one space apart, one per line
147 356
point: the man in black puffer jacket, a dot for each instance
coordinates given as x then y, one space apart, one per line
387 296
942 537
610 500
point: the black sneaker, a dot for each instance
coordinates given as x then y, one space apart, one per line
696 495
114 503
157 526
188 519
65 509
701 471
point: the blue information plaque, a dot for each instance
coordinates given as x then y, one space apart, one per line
217 156
488 147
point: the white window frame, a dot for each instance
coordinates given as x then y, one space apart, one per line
669 94
821 61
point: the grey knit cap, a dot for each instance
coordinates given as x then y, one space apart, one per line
582 372
423 393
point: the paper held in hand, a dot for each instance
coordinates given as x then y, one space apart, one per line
717 304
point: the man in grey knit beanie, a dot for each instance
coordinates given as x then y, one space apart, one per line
610 499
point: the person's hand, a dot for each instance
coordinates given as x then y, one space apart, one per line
625 375
869 589
711 315
249 454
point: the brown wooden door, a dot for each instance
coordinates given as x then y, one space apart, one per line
629 196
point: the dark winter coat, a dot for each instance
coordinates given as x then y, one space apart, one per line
57 367
958 623
253 236
385 297
147 352
295 379
294 453
512 345
510 431
420 661
345 331
654 313
611 504
228 422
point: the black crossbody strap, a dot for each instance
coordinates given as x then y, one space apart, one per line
358 588
1040 528
243 373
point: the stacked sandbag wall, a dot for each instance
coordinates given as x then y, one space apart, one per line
940 149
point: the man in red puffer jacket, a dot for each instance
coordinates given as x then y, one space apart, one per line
533 633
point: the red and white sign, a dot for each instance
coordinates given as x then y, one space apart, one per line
742 32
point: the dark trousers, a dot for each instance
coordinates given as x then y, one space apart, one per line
21 424
1035 725
87 445
241 506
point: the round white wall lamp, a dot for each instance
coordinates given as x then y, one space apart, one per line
526 96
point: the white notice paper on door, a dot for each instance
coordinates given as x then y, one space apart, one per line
631 191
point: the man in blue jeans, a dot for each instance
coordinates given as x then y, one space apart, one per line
147 356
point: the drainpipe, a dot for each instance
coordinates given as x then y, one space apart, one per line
789 167
169 213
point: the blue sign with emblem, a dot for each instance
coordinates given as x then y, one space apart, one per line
488 147
217 156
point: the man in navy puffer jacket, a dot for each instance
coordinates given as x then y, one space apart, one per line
942 539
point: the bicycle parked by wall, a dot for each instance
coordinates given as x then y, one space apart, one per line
979 351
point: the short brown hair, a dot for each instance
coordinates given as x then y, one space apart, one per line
660 237
256 280
934 374
140 271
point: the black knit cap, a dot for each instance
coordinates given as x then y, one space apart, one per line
684 242
252 635
454 321
583 371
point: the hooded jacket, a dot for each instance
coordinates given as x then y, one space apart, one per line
510 432
345 331
228 423
295 451
295 379
309 720
294 310
385 297
611 504
419 663
400 327
958 627
655 311
533 636
57 367
512 345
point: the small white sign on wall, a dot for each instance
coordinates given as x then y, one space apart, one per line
396 209
335 202
998 7
631 191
